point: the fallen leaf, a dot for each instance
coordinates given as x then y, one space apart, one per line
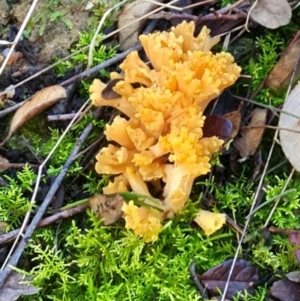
13 287
251 135
107 208
235 118
285 290
210 222
108 92
271 13
293 276
243 276
290 140
40 101
280 76
217 125
128 36
3 164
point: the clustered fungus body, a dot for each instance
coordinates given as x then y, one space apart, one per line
160 139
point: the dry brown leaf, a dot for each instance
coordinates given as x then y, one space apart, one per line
128 36
290 141
13 287
3 164
40 101
279 77
251 135
107 208
271 13
235 118
108 92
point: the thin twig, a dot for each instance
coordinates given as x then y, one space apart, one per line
4 238
248 221
283 191
258 189
94 70
85 74
272 127
266 106
94 39
32 201
19 35
38 216
249 13
15 165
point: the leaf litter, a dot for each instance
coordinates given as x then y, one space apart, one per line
17 285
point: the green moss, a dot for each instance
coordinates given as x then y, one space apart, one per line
111 263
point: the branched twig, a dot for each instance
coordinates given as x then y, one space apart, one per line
92 72
39 214
83 75
4 238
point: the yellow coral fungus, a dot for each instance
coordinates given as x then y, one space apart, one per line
161 140
143 221
120 184
210 222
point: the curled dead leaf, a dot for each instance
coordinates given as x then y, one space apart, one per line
40 101
217 125
13 287
235 118
107 208
280 76
251 135
108 92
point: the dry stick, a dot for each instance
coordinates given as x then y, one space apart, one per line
41 167
85 74
266 106
272 127
257 191
249 13
4 238
39 214
94 39
15 165
19 35
279 198
209 17
247 221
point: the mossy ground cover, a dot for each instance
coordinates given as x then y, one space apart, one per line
80 259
